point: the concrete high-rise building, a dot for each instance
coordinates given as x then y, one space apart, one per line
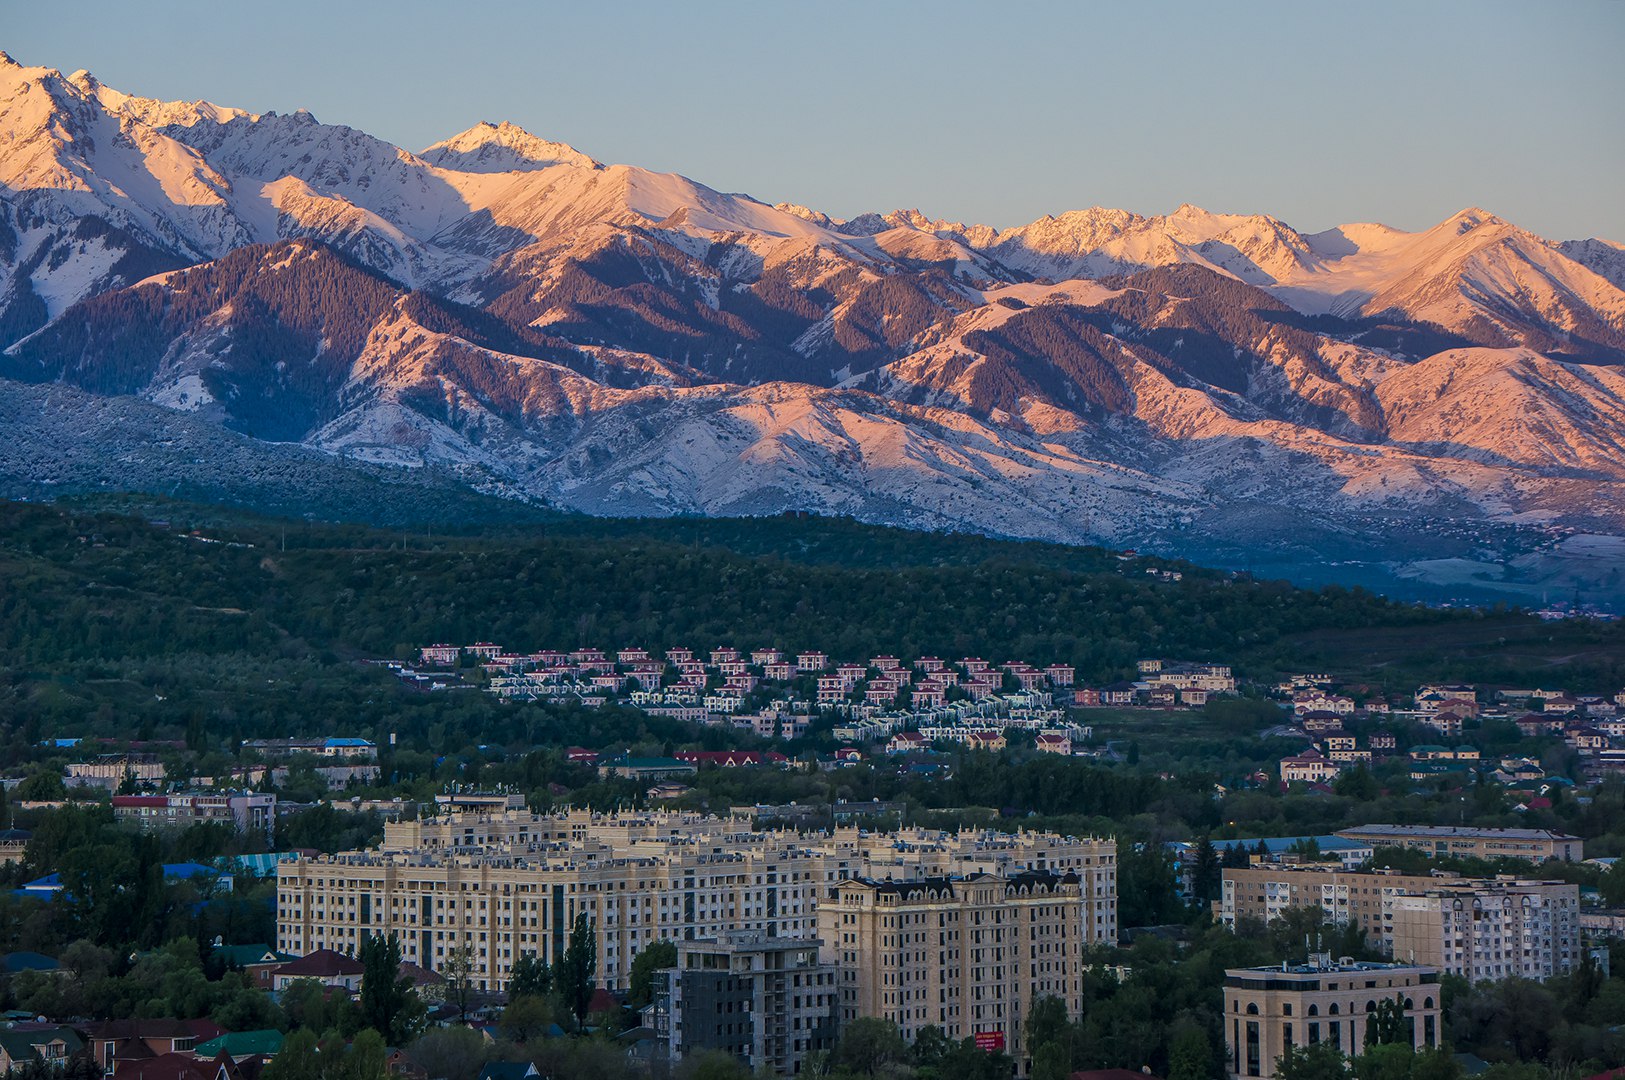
1481 928
498 886
966 955
767 1001
1268 1009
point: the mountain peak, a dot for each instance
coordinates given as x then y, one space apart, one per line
501 147
1472 218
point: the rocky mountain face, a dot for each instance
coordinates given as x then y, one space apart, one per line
599 337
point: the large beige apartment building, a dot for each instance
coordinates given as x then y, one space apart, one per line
1269 1009
968 955
502 885
1532 845
1482 928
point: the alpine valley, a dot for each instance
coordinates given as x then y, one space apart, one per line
193 295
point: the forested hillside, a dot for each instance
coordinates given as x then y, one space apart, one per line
108 616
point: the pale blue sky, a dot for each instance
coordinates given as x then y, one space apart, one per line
1400 112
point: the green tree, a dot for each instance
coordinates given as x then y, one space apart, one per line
1612 885
1387 1024
1357 783
711 1065
455 1053
389 1004
930 1047
1206 873
967 1061
656 956
1190 1057
367 1057
577 968
1049 1038
527 1017
868 1045
1318 1061
297 1060
42 785
1399 1061
458 971
531 977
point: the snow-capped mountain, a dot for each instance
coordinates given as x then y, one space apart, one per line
616 340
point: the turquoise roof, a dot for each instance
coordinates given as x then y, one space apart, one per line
242 1044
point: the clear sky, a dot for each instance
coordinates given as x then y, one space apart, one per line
1318 113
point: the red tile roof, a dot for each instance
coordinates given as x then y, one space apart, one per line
321 964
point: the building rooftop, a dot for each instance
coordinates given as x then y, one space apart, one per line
1453 830
1326 966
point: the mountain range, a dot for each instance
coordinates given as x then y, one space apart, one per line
515 317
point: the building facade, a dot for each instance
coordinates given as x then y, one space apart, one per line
1533 845
1269 1009
503 885
767 1001
1480 928
966 955
250 813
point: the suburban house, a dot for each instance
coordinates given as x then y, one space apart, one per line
259 961
52 1045
326 966
1309 767
632 768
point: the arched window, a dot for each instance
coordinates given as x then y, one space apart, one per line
1371 1006
1333 1010
1252 1009
1427 1003
1314 1010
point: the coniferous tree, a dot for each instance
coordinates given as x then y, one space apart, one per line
1206 874
387 998
577 967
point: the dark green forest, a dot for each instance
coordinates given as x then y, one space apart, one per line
109 617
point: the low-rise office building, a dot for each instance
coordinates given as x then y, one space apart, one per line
250 813
1269 1009
1533 845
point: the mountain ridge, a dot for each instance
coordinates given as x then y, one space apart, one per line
615 340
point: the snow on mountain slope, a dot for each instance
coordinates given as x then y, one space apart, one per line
629 341
64 158
1602 257
504 147
1511 405
337 161
1473 273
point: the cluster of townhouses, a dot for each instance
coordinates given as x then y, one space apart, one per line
141 776
970 701
1592 726
782 935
